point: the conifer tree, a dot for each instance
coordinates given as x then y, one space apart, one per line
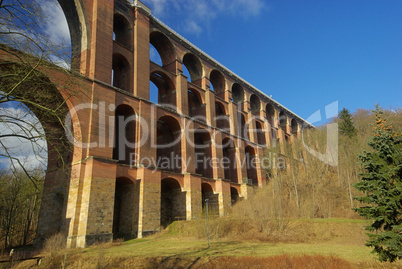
382 188
346 126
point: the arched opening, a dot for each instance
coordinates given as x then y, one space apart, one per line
237 93
122 31
294 126
217 81
124 138
162 90
77 29
34 122
194 67
222 119
195 106
120 72
282 121
153 92
202 148
173 202
260 133
163 49
251 163
234 195
168 152
270 112
154 55
229 160
125 212
242 126
213 200
255 104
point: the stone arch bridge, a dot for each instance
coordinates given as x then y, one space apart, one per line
136 166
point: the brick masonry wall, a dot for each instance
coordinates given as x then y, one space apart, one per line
102 198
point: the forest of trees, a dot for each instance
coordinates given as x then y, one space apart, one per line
19 207
310 188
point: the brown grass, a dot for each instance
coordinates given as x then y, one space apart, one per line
282 261
275 231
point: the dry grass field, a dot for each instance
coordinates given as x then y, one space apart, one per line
316 243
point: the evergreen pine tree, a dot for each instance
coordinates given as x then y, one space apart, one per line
382 187
346 126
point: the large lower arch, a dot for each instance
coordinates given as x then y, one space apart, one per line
125 213
234 195
213 200
173 202
50 104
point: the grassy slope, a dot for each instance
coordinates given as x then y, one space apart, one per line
342 238
338 242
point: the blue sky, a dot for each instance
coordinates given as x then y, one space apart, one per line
306 54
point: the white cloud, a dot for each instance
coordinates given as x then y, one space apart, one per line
199 15
158 7
193 27
30 153
55 23
246 8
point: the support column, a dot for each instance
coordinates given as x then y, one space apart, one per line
259 167
217 155
192 187
241 163
187 147
182 94
95 204
149 202
141 55
246 191
210 112
223 189
252 130
232 110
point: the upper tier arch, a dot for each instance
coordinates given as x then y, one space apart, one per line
78 25
164 47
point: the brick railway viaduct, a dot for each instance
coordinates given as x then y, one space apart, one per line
211 115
